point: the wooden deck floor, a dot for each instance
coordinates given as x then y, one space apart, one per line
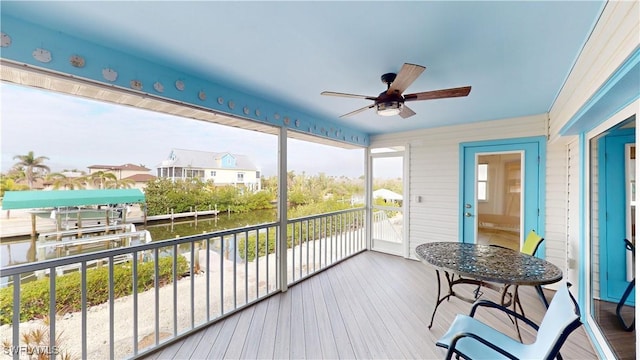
372 306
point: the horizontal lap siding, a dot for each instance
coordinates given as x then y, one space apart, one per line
614 38
556 205
435 171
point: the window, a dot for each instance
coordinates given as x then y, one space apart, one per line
193 173
483 170
213 173
240 177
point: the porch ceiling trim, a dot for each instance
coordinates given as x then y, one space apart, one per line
124 71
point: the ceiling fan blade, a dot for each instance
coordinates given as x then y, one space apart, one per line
407 75
332 93
439 94
406 112
358 111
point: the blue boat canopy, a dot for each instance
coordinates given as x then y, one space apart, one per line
58 198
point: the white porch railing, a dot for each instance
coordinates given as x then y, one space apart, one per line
384 229
168 289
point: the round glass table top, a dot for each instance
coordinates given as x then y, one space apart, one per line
489 263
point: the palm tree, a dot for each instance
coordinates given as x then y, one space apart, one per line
68 183
32 166
119 184
101 178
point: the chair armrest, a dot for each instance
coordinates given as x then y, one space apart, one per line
491 304
476 337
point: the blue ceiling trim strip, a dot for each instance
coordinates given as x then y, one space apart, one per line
142 76
620 90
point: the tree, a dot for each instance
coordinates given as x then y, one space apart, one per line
101 178
33 166
9 184
119 184
68 183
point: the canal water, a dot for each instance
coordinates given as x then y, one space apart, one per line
22 251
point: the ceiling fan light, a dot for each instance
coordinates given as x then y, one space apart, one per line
389 108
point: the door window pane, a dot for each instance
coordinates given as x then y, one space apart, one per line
483 170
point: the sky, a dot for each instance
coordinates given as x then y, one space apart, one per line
75 132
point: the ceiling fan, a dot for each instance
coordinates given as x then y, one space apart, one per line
391 101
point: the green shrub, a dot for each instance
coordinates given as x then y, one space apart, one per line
300 234
262 245
34 295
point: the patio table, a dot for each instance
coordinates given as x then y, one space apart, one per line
489 266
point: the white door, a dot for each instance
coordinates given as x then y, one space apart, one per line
387 200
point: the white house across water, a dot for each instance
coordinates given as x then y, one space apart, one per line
221 168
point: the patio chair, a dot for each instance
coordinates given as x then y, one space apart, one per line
629 245
530 246
470 338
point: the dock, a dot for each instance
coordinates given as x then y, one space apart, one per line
18 223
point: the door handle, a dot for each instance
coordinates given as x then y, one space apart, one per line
468 214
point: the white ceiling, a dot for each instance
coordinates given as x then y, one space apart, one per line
515 55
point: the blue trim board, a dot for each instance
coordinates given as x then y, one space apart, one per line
621 89
199 92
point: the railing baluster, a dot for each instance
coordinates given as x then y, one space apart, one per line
257 260
16 316
83 305
135 302
331 239
52 312
324 239
278 253
349 233
315 244
156 284
293 252
339 237
246 267
300 246
308 236
175 289
235 271
267 259
192 277
222 275
208 279
111 311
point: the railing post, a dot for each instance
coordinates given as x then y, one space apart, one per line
282 209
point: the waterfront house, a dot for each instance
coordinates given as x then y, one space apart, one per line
138 175
221 168
554 86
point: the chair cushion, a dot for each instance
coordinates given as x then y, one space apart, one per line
531 243
467 324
